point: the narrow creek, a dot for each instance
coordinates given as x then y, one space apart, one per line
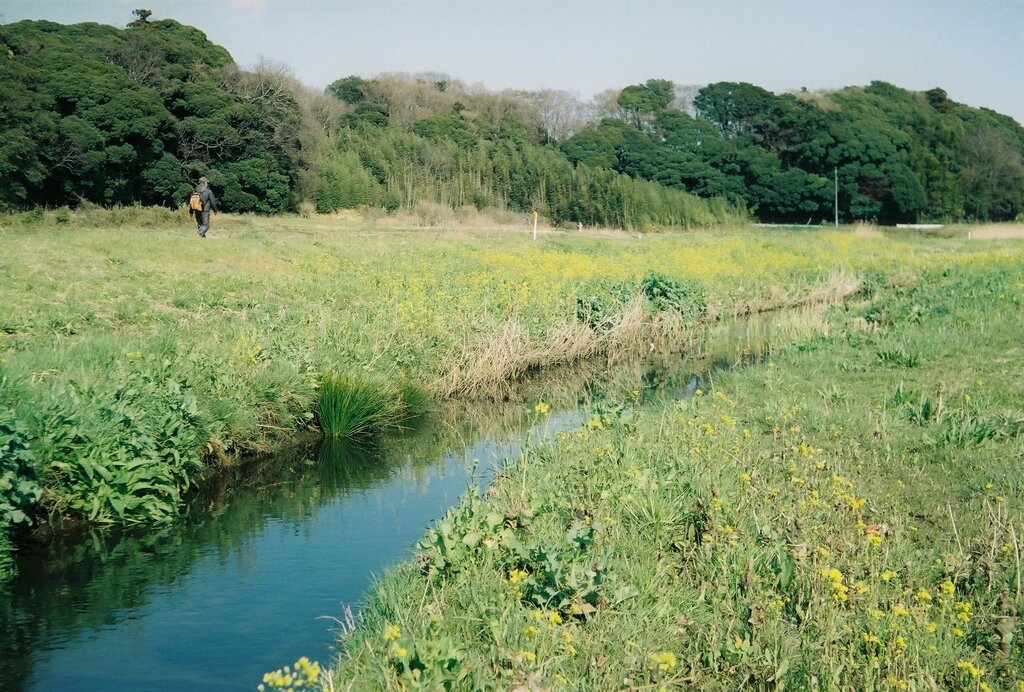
252 576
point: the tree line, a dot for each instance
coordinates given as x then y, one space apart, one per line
96 114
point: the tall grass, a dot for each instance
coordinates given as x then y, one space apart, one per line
360 405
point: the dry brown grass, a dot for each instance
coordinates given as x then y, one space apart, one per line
836 288
996 231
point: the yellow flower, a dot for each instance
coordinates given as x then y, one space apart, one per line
888 575
931 627
899 610
832 573
392 632
666 660
922 595
745 477
969 666
528 656
516 576
947 588
541 408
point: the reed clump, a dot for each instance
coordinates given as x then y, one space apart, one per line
351 405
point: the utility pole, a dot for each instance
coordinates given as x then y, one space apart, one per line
835 205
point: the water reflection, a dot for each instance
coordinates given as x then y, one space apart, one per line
237 586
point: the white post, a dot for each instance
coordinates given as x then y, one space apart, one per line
835 172
535 225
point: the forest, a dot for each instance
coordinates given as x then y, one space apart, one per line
98 115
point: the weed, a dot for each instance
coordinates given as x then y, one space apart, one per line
898 357
688 298
356 406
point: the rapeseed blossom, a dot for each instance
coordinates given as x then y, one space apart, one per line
665 660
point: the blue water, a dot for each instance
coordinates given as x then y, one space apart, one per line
247 584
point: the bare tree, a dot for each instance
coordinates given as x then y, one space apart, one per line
684 96
606 105
561 112
139 59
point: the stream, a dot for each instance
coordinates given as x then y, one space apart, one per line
258 570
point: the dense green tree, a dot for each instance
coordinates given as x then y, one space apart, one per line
104 115
735 108
993 176
123 116
649 98
348 89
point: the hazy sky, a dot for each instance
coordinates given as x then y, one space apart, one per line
972 49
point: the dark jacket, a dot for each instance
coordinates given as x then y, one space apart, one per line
206 194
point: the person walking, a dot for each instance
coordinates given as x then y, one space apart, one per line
201 205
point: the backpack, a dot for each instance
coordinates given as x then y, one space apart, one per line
195 202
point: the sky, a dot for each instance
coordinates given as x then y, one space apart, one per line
974 49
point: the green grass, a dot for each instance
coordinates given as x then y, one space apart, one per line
352 406
806 523
131 354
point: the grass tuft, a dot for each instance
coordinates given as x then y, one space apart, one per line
360 405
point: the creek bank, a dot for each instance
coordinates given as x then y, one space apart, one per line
495 373
271 546
790 525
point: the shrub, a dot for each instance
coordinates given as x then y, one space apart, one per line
123 453
19 486
688 298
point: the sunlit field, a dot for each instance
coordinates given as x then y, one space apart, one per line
846 515
135 355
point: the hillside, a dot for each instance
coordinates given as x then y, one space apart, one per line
96 114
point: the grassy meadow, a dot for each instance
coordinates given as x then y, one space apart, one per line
847 515
133 355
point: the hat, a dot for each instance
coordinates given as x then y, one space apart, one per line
203 179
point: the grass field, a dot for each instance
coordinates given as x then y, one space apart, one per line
134 355
847 515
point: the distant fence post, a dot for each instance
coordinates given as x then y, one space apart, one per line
535 225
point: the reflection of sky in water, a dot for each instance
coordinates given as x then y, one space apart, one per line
236 591
236 615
